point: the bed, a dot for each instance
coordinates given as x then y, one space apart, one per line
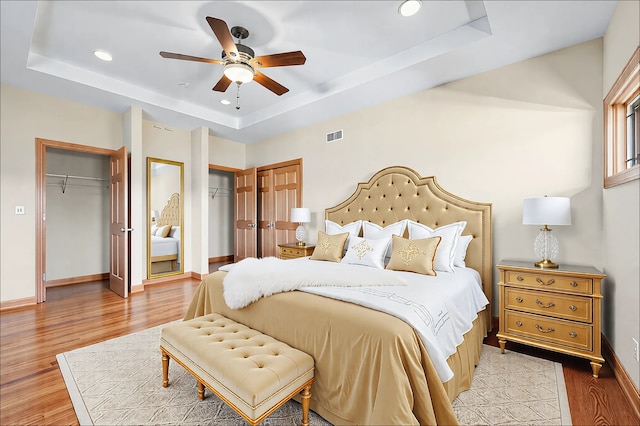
165 246
372 367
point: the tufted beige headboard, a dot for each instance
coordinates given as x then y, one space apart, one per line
397 193
171 212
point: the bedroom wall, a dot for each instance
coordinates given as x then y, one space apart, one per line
26 116
529 129
169 143
621 205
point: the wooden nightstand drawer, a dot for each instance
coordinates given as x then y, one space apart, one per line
294 251
559 332
550 282
569 307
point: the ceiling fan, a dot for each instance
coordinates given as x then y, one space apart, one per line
240 62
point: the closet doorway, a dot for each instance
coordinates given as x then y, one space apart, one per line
221 216
81 216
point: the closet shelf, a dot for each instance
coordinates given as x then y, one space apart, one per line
66 183
219 191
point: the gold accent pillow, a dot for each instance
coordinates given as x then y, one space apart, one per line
413 255
329 247
163 231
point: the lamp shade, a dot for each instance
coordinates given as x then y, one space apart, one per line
546 211
300 215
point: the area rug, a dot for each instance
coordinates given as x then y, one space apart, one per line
119 382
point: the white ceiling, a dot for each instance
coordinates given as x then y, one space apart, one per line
359 53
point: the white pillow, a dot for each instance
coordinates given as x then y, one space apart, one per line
175 232
461 251
353 228
154 229
447 247
376 232
367 252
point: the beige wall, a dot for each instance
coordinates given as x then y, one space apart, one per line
530 129
621 218
25 117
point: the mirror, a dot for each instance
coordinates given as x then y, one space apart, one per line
165 214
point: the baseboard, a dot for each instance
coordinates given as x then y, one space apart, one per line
166 279
198 276
77 280
228 258
629 388
137 288
17 303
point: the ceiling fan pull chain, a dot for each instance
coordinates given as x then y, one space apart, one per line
238 97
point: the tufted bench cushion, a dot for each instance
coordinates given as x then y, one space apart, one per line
252 372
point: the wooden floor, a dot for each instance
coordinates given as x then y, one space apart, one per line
32 390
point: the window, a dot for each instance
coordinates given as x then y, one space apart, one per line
622 126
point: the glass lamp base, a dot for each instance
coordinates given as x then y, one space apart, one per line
546 248
300 234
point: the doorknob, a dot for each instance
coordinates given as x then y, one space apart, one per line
270 225
251 225
126 229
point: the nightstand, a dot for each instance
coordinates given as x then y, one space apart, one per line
554 309
293 251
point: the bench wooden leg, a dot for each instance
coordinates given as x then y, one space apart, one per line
304 400
165 369
200 390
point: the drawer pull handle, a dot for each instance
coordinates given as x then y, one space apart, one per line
548 330
519 323
573 307
551 281
573 284
572 334
542 305
519 278
519 299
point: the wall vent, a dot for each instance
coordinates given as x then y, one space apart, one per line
334 136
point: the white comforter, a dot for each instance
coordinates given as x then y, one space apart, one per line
441 309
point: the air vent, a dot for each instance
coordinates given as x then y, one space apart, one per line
334 136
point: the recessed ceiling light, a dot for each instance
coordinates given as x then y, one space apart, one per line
409 7
105 56
183 84
225 101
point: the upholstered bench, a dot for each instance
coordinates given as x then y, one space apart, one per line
251 372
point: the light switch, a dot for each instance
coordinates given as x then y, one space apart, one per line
19 209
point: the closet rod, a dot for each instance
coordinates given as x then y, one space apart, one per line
76 177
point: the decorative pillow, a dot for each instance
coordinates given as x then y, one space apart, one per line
154 229
414 255
352 228
446 249
163 231
329 247
175 232
367 252
375 232
461 251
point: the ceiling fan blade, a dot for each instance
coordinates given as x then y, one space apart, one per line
221 30
170 55
270 84
279 59
222 84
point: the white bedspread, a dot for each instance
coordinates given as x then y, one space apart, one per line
251 278
441 309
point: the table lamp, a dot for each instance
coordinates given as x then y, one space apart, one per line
546 211
300 215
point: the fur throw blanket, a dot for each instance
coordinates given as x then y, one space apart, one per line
251 278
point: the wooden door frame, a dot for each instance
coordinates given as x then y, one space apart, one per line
41 184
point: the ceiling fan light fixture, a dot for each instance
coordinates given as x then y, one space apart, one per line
409 7
239 72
